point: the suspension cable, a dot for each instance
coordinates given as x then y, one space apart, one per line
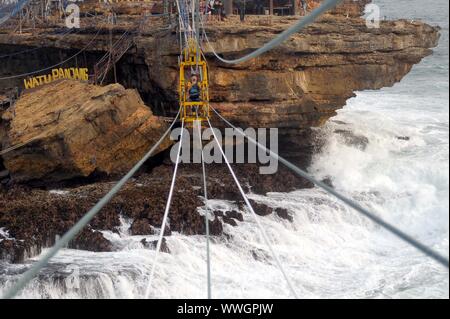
261 228
205 194
61 243
304 22
391 228
166 215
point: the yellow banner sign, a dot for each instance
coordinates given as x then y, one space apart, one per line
57 74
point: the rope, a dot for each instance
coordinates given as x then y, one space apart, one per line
247 202
166 215
34 270
316 13
394 230
205 194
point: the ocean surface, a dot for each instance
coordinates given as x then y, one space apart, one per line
329 251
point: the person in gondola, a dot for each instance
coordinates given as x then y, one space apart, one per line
194 90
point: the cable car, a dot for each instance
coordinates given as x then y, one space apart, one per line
194 106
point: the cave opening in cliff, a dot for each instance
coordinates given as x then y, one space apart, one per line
133 73
130 71
23 60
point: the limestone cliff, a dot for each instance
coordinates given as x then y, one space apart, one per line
303 82
295 87
72 129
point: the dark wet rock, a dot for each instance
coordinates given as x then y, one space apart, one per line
91 240
141 227
403 138
218 213
351 139
230 221
215 227
34 216
261 209
167 231
12 250
235 214
154 243
328 181
339 122
4 174
284 213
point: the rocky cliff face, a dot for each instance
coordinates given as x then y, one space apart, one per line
72 129
303 82
295 87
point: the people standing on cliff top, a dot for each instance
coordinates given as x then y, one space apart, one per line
219 10
304 7
241 9
260 7
209 4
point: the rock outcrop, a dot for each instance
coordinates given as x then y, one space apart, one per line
73 129
80 130
31 218
295 87
304 81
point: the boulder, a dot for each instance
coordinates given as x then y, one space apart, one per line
75 129
352 139
284 213
260 208
92 240
235 214
230 221
215 227
141 227
154 243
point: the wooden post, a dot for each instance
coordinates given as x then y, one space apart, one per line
271 7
